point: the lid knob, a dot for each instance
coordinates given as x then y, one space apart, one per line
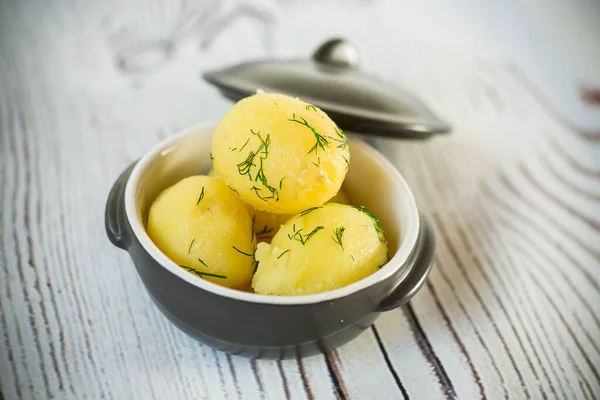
337 52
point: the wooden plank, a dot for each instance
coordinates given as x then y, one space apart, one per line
512 306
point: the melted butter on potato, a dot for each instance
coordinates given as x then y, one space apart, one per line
205 228
280 154
320 249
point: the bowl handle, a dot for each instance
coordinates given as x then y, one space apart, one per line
115 219
419 265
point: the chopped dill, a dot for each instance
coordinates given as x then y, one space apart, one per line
281 255
339 235
211 157
252 227
265 232
241 252
245 167
191 244
202 262
256 190
233 190
281 182
375 223
201 196
347 162
318 163
303 239
311 107
352 257
321 141
308 210
264 142
233 148
242 148
341 139
201 274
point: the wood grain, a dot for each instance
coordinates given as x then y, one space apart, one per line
511 309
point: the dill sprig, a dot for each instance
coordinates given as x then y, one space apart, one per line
252 227
264 142
233 190
308 210
352 257
264 233
281 182
242 252
191 244
242 148
256 189
321 141
201 196
202 274
341 139
339 235
245 168
260 176
202 262
318 163
211 157
375 223
311 107
281 255
303 239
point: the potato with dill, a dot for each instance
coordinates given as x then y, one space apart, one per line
320 249
280 154
266 224
206 229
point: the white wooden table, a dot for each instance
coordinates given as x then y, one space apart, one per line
512 307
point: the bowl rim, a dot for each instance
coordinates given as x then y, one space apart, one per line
399 259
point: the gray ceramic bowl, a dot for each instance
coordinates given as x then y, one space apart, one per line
261 326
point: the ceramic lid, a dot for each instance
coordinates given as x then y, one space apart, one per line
332 81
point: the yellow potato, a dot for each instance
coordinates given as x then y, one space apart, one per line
280 154
320 249
205 228
267 224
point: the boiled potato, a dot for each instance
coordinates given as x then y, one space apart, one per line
267 224
320 249
280 154
205 228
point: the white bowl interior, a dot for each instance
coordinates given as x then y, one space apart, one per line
372 181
